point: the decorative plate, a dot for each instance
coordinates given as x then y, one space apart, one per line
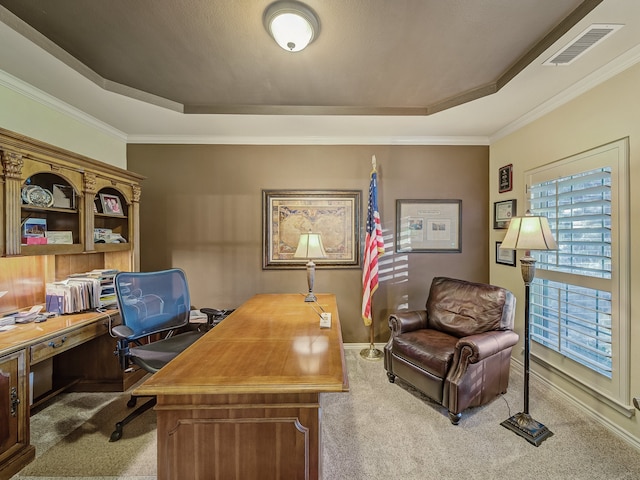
25 192
39 197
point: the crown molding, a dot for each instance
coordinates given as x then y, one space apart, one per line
304 140
43 98
608 71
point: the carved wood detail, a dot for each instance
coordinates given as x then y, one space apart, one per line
12 163
90 180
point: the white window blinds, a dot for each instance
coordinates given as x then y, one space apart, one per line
579 298
565 316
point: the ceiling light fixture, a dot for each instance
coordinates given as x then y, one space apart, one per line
292 25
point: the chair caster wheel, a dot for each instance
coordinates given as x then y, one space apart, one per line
116 435
391 377
132 402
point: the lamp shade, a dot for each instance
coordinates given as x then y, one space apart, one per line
292 25
529 233
310 246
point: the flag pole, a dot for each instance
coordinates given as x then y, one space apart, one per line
374 247
371 353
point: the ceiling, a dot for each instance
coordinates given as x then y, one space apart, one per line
380 71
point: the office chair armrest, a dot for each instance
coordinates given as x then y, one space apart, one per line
122 331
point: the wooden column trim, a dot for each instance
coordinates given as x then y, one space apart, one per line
12 172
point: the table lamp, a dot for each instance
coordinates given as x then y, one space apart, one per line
309 247
528 233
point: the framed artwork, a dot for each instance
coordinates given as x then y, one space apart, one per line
505 256
503 212
429 226
111 204
334 214
505 178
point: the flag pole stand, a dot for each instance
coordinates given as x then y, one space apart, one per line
374 248
371 353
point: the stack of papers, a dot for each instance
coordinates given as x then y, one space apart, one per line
82 291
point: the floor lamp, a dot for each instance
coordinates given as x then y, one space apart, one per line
528 233
309 247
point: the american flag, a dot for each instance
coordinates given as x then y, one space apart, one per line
373 248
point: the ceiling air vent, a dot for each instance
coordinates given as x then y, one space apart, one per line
582 43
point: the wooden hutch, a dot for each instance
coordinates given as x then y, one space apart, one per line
42 186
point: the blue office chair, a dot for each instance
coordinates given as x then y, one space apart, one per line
153 306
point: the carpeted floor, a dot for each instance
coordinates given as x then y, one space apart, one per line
71 436
378 430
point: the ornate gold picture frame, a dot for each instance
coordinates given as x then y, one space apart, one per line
334 214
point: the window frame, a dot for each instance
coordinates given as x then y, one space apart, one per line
617 388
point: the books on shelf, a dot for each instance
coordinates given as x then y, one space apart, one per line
82 291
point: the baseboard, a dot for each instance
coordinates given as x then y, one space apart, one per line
360 346
605 422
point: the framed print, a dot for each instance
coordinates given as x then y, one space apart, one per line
334 214
505 178
428 226
503 212
505 256
111 204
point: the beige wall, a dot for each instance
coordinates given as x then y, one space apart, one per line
201 210
602 115
36 119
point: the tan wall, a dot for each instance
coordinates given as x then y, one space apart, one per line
22 114
201 210
602 115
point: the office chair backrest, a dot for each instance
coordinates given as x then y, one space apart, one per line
152 302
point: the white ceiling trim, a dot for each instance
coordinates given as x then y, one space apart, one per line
305 140
60 106
616 66
608 71
43 98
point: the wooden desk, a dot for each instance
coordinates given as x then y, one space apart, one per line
81 353
244 402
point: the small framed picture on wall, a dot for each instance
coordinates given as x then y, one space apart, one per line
505 178
505 256
503 212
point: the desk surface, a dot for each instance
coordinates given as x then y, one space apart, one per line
272 344
26 334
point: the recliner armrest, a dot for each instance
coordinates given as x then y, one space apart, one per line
401 322
485 344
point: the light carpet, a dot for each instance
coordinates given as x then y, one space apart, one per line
378 430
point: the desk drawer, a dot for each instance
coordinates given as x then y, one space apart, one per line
58 344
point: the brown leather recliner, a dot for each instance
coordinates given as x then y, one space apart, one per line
458 350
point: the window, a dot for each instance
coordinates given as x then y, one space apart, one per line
579 318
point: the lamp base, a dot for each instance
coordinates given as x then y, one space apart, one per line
310 297
532 431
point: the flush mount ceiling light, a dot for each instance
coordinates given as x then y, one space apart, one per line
292 25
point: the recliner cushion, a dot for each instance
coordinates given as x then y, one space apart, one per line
430 350
463 308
